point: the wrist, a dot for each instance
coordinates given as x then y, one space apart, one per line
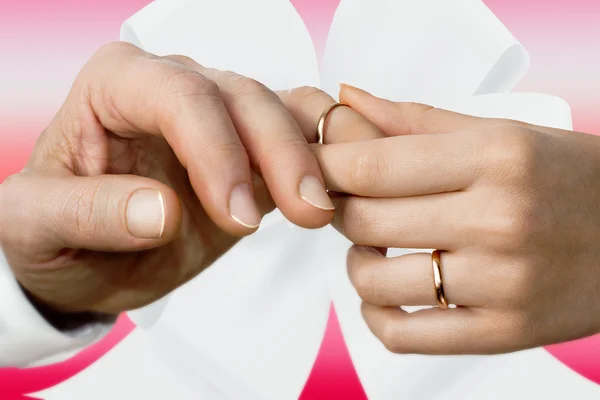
67 322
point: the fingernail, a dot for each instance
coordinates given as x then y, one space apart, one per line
242 206
145 214
313 192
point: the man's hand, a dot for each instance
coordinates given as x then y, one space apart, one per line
151 170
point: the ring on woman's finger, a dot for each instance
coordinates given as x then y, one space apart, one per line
438 282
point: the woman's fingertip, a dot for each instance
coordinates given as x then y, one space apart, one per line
348 93
346 85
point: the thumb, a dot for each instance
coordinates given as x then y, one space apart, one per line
395 119
101 213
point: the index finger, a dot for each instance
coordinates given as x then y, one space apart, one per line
276 147
403 166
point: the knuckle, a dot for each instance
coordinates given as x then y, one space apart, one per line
523 149
304 98
83 212
516 227
306 93
393 339
229 146
182 83
181 88
363 282
242 86
227 149
181 59
514 151
113 49
107 61
368 170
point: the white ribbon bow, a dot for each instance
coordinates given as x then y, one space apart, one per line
250 327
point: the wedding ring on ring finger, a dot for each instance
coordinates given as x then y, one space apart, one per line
412 279
438 282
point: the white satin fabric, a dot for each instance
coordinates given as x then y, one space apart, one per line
250 327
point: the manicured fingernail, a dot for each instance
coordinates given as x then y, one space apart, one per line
313 192
242 206
145 214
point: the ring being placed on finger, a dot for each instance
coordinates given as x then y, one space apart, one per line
437 280
322 119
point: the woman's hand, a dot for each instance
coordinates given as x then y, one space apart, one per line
514 208
151 170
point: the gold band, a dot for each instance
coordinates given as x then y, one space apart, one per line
437 280
321 123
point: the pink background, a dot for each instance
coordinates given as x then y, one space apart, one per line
43 43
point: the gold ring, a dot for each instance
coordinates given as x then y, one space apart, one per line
437 280
321 123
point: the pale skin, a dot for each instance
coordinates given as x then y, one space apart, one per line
513 207
186 138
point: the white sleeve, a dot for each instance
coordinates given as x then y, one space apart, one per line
26 338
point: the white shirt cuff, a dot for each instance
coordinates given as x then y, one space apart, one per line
26 338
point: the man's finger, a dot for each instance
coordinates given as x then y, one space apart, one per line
102 213
276 146
133 93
